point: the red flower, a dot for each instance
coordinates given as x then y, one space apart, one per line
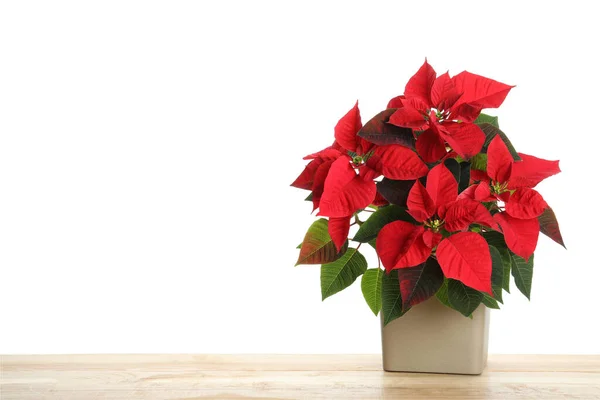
341 176
392 161
512 182
444 109
463 256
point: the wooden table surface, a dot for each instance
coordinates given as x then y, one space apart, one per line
193 377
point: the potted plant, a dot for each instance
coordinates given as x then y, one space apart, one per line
450 206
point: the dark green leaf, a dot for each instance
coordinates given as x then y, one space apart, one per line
495 239
522 271
370 285
419 283
378 131
497 273
309 197
506 263
396 192
461 172
454 167
463 298
489 301
487 119
340 274
383 216
373 243
442 294
549 226
465 176
391 300
490 132
317 247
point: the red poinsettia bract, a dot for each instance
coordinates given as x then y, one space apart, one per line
512 182
341 177
444 108
444 220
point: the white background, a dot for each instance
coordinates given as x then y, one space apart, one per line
146 152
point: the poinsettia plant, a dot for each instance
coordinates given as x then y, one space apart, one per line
438 190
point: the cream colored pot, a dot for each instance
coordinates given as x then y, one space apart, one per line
434 338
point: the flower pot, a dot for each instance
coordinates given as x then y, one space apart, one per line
434 338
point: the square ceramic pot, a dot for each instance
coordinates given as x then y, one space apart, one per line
434 338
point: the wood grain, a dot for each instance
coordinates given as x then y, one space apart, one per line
193 377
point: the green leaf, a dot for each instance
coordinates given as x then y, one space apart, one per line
497 273
549 226
461 172
391 300
442 294
487 119
489 301
506 263
479 161
371 227
497 240
463 298
522 271
317 247
419 283
340 274
370 285
309 197
490 132
373 243
465 176
454 167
